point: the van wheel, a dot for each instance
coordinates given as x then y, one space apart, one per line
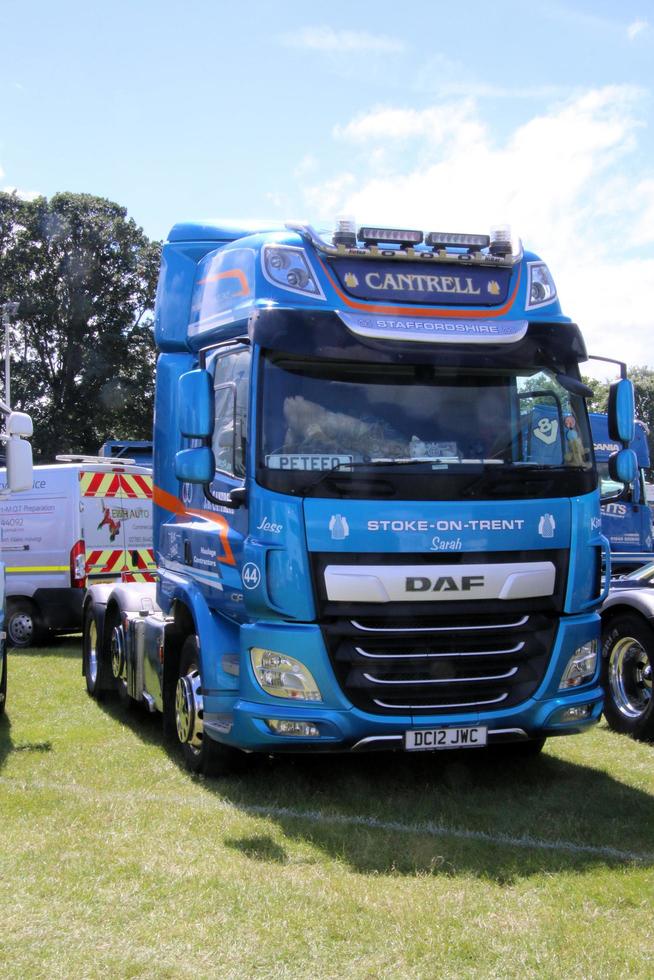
627 661
23 623
201 753
94 660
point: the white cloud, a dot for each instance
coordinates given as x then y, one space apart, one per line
567 180
23 195
344 42
636 28
307 165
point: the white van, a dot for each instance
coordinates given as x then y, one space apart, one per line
83 521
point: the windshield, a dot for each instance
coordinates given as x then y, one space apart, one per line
322 419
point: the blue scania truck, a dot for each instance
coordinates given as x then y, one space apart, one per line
377 517
627 519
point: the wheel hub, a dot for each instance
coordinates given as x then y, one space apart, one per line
118 653
21 628
189 709
630 677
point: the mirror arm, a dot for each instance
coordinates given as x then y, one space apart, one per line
611 498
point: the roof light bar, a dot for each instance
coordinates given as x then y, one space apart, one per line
398 236
441 239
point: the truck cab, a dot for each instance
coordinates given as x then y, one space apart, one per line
376 517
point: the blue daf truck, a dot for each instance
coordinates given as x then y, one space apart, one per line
377 516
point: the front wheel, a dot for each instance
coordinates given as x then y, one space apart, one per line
201 753
627 657
23 623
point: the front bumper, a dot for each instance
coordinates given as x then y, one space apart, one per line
241 720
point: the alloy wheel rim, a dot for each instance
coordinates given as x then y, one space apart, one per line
189 710
630 677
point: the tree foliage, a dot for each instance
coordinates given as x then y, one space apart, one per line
82 346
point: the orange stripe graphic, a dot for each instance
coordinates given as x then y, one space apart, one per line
175 506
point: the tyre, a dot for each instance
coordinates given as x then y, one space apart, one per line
95 663
3 683
627 657
201 753
24 628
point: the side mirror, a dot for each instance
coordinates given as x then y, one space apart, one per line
195 465
195 397
621 411
19 463
623 466
20 424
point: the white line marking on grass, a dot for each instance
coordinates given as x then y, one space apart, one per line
428 828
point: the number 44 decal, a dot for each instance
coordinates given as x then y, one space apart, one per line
251 575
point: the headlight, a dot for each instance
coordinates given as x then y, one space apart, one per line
540 286
581 666
289 268
282 676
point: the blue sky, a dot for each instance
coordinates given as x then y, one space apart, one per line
429 114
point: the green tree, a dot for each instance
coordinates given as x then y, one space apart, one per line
600 389
83 355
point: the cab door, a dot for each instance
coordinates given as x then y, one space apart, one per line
217 540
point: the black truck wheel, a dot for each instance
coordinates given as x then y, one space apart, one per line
627 658
201 753
95 664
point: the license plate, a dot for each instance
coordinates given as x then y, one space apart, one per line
445 738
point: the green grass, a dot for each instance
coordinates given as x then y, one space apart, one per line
114 861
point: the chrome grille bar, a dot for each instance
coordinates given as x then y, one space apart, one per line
424 707
438 629
433 656
445 680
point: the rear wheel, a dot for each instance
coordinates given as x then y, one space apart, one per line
24 628
95 664
627 659
202 754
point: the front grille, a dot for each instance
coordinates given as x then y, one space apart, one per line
467 663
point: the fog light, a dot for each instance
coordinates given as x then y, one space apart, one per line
282 726
581 666
576 713
282 676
